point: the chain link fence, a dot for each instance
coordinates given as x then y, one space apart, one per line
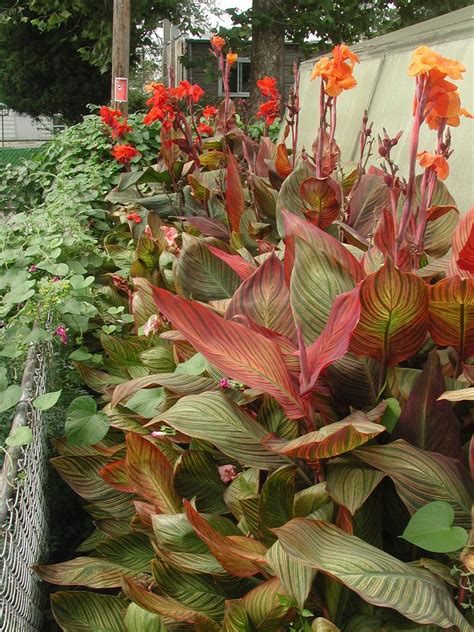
16 155
23 508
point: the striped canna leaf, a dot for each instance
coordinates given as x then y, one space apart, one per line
150 474
374 575
239 555
451 311
214 418
420 477
264 298
394 316
81 610
336 438
241 353
201 275
167 607
234 195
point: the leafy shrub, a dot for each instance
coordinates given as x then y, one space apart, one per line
276 422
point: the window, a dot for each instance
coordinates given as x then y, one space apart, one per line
239 80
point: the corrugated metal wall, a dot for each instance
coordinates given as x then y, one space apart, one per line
386 90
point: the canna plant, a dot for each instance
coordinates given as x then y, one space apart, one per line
277 447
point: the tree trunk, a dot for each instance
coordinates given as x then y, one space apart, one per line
268 45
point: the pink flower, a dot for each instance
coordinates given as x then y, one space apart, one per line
61 333
33 268
156 434
55 279
152 325
170 233
224 383
227 473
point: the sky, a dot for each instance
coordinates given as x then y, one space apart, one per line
227 4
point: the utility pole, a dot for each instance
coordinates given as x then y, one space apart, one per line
120 55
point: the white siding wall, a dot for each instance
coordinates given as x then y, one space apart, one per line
386 90
19 128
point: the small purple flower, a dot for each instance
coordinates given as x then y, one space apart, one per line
156 434
55 279
61 333
33 268
224 383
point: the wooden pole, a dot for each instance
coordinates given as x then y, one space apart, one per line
120 48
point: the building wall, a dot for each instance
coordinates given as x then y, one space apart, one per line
18 128
386 91
204 71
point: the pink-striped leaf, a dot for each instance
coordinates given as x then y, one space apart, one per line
296 227
239 352
239 555
333 343
462 261
451 311
394 316
425 422
150 474
336 438
167 607
243 268
234 195
265 299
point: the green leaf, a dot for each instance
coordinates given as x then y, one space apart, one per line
421 477
84 425
21 435
80 355
316 280
196 476
201 275
431 529
47 400
199 592
212 417
276 501
167 607
295 577
374 575
139 620
350 482
10 397
391 414
88 612
194 366
145 401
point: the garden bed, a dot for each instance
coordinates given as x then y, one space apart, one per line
268 431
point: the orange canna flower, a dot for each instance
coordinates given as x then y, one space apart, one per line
231 58
337 72
425 59
217 42
436 162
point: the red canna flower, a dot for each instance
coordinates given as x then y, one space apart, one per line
270 110
209 112
124 153
120 129
108 115
205 129
134 217
437 162
268 87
